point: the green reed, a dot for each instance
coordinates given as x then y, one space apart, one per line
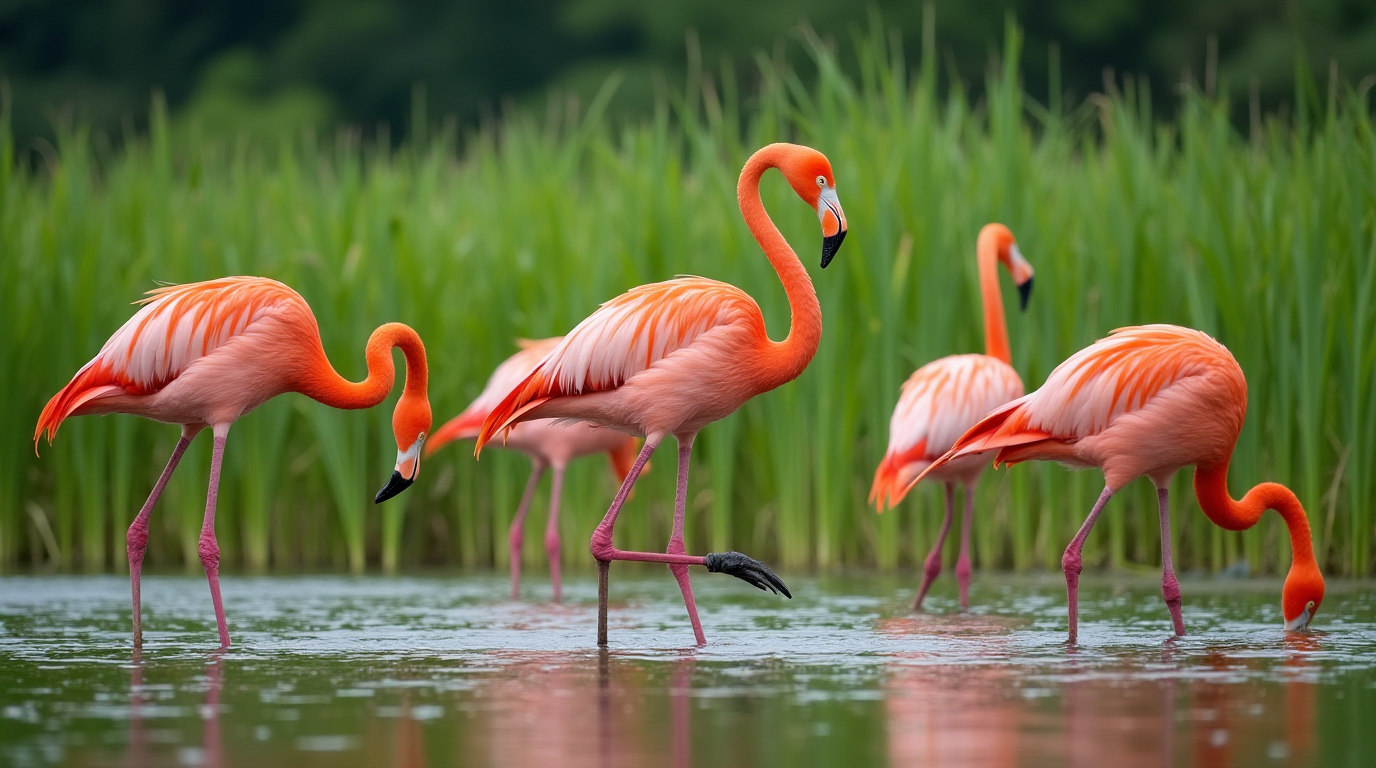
1264 237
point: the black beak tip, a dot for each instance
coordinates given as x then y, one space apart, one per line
1024 294
395 484
830 245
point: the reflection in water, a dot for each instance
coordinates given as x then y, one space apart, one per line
949 715
211 752
366 672
1095 712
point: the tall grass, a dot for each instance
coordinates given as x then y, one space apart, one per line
1265 238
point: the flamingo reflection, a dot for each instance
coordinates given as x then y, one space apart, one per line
212 752
537 713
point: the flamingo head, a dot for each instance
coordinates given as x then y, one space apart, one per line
1301 597
809 173
410 423
1001 240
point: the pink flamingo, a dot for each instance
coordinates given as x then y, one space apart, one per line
944 398
204 354
1149 400
547 443
670 358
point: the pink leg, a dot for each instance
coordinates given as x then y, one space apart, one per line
136 541
552 543
963 563
733 563
210 551
601 544
516 534
676 547
931 568
1170 588
1072 563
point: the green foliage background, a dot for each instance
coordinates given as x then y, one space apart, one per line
1265 238
265 66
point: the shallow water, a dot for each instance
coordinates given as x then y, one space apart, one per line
421 671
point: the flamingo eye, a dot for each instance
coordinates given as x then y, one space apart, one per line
822 181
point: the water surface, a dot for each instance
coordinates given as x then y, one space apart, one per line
439 671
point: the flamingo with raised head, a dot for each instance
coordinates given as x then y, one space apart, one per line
944 398
670 358
548 444
203 355
1149 400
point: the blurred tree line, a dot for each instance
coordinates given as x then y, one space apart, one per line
264 66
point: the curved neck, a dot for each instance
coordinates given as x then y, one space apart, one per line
322 383
805 312
995 326
1211 488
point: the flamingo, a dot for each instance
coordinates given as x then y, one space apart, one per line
944 398
202 355
548 444
1149 400
669 358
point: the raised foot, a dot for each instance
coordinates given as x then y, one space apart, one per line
746 569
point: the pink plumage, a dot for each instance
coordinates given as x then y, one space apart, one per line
1148 401
203 355
944 398
548 444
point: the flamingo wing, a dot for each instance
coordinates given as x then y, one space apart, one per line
176 326
938 403
506 377
1087 393
623 337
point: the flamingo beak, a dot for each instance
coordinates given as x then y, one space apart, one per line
408 467
1024 293
395 485
833 224
1022 275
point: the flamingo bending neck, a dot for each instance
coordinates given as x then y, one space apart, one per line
321 382
1211 488
793 354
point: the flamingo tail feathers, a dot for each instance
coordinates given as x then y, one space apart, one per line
65 403
1005 429
466 426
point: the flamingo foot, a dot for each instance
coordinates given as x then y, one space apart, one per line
746 569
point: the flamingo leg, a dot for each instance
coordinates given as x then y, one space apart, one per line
136 541
676 546
1072 563
516 534
963 563
1170 588
552 543
931 567
601 544
734 563
209 549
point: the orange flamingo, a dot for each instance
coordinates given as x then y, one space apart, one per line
944 398
670 358
204 354
1149 400
547 443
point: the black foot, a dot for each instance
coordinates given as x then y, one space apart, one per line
747 569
